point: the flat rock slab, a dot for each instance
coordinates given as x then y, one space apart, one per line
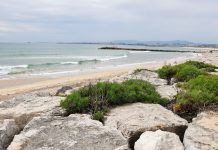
8 129
134 119
23 108
158 140
202 133
75 132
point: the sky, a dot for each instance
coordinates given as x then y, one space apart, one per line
108 20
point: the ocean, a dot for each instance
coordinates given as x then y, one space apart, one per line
48 59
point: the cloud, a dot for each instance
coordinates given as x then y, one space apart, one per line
18 27
108 20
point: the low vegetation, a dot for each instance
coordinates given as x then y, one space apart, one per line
198 94
199 89
186 71
98 99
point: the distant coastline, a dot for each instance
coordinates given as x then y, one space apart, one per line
152 50
175 43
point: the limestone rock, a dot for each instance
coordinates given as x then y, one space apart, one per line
42 93
75 132
202 133
167 91
23 108
8 129
159 140
151 77
134 119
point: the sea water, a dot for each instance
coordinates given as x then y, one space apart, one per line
52 58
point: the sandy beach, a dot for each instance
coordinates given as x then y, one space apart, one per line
11 87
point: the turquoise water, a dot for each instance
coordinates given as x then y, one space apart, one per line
50 58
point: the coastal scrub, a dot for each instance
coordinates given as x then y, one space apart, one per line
98 99
198 94
186 71
199 91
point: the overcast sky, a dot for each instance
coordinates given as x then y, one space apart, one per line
106 20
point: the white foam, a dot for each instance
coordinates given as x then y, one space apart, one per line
132 52
113 58
101 58
4 70
53 73
73 62
12 67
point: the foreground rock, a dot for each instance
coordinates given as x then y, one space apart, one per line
8 129
159 140
167 91
23 108
202 133
77 132
132 120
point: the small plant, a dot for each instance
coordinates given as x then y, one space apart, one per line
98 116
76 103
167 72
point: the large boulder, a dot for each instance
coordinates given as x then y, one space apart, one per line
77 132
134 119
158 140
8 129
23 108
202 133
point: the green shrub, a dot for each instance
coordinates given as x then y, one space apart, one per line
197 95
167 72
141 91
202 65
97 99
76 103
186 71
98 116
201 90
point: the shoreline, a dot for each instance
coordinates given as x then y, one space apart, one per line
35 84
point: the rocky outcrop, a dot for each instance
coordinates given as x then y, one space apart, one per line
134 119
202 133
8 129
77 132
23 108
159 140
